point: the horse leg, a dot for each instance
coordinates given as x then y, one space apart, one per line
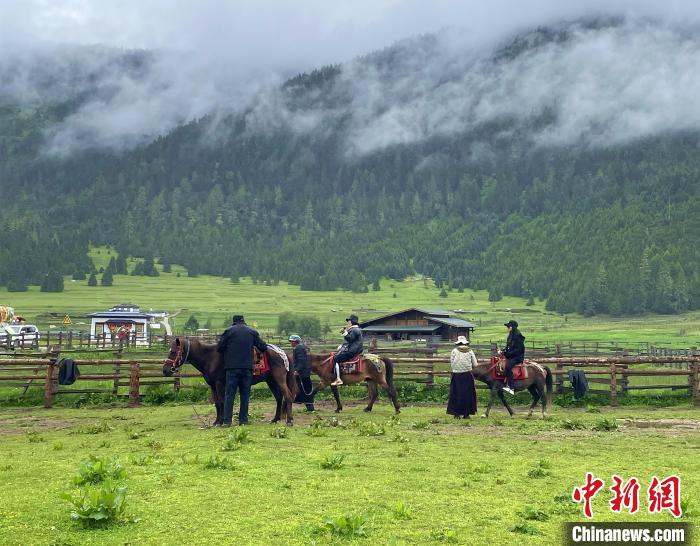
217 395
505 402
336 395
278 400
535 392
492 396
288 403
373 394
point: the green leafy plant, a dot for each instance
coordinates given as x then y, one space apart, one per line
155 445
572 424
231 444
141 460
371 429
34 437
316 429
215 462
94 470
401 511
533 514
190 458
607 424
57 446
95 428
348 525
444 535
241 435
98 505
540 470
280 432
333 462
525 528
420 425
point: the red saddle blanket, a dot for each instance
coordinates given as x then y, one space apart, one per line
260 364
499 369
356 365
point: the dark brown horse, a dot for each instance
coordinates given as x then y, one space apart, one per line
209 362
538 377
323 367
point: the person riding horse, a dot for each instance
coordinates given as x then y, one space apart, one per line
350 348
514 352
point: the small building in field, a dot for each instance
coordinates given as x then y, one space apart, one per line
125 319
418 323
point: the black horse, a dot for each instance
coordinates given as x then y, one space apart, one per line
539 377
209 362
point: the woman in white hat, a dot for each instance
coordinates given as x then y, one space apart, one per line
462 400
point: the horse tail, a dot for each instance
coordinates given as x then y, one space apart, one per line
389 366
548 382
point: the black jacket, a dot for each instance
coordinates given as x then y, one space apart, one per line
236 344
353 341
515 346
301 361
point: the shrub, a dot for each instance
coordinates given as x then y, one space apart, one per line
98 505
94 470
334 462
607 424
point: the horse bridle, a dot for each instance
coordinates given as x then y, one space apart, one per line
177 362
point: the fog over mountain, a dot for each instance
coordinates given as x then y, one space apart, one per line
621 71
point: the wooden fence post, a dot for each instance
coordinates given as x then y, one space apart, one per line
624 381
49 380
695 384
613 384
559 378
134 400
430 382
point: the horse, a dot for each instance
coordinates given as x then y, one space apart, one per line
322 366
538 377
210 363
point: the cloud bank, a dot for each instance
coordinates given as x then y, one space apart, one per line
601 86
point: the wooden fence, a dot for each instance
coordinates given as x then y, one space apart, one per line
608 375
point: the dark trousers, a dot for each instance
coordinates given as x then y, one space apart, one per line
509 370
237 379
305 392
343 356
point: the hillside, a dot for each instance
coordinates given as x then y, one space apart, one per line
495 169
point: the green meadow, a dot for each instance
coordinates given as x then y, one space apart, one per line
356 478
213 299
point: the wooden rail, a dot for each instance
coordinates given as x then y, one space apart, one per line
41 370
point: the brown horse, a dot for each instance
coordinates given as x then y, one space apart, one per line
322 366
538 376
209 362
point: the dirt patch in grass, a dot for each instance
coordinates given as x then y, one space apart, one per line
662 424
22 425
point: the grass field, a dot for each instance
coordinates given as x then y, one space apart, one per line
422 479
214 299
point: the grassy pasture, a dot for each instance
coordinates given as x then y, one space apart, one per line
422 479
216 298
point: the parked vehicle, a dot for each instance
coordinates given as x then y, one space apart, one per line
14 336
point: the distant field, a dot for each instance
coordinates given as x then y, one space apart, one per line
214 299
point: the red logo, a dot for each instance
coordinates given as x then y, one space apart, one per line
665 495
586 493
627 496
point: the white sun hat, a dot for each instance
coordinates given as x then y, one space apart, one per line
463 340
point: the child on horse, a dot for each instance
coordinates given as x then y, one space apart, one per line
514 352
350 348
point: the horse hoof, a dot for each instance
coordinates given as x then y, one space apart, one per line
337 411
367 410
290 423
274 421
484 416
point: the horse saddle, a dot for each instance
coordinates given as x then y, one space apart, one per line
356 365
260 363
499 369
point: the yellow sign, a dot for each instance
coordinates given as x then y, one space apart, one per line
66 320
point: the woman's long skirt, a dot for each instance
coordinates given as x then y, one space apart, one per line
462 400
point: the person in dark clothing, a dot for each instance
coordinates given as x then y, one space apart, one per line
514 352
350 348
302 371
236 345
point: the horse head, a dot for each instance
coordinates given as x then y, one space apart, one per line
178 355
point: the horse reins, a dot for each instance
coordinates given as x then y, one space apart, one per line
177 362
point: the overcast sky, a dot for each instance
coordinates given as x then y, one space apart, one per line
226 50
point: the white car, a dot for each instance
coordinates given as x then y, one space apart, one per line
19 335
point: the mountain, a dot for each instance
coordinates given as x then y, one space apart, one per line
562 164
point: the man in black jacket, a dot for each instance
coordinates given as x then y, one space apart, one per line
302 370
514 353
350 348
236 345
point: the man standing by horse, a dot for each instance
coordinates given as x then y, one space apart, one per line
236 345
302 370
352 334
514 352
